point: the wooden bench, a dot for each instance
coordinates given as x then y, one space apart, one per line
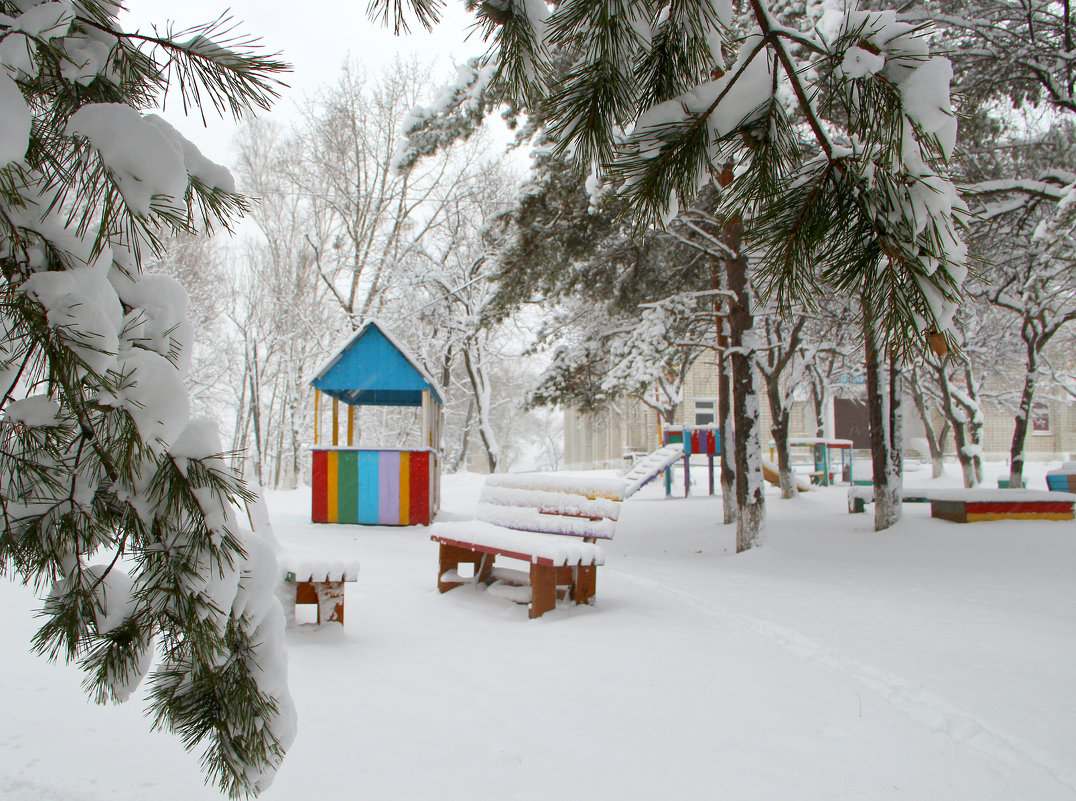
551 522
979 505
555 562
1062 480
311 578
860 496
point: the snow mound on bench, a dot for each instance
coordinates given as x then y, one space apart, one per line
306 564
562 503
589 487
525 519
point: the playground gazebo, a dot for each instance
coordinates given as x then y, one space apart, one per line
375 486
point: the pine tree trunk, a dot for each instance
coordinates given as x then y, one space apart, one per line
895 474
750 501
887 503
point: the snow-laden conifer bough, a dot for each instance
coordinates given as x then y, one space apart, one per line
116 505
836 123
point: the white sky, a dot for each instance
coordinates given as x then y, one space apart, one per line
316 38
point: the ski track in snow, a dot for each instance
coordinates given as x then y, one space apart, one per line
914 701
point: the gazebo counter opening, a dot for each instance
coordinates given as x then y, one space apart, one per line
375 486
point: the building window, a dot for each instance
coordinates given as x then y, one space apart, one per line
705 412
1040 418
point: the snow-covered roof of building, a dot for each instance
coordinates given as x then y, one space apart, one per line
374 369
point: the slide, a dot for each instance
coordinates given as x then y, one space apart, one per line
650 467
769 472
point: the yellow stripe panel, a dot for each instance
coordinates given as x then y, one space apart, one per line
978 518
332 485
405 489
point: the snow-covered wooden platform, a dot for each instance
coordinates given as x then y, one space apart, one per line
980 504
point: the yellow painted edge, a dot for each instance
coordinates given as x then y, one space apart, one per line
317 398
978 518
405 489
332 485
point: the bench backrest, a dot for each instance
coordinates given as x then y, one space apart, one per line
548 507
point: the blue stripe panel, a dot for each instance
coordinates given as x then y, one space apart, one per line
368 487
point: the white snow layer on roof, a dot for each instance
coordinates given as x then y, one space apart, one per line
404 351
559 550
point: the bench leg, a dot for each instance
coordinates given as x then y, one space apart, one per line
586 579
483 571
330 601
451 556
543 589
286 593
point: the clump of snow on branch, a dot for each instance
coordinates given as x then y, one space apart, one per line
426 128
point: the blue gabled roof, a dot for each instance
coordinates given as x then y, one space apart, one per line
373 369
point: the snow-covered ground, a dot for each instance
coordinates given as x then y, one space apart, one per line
931 661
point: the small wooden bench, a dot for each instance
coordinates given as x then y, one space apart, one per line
980 505
860 496
1062 480
310 578
516 519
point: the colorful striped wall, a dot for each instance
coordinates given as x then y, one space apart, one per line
704 441
370 487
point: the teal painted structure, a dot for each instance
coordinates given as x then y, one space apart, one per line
373 370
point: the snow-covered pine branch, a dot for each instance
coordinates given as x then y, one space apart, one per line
115 502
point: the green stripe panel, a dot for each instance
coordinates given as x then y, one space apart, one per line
347 472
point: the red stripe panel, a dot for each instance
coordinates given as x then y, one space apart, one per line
1020 507
319 512
711 443
419 506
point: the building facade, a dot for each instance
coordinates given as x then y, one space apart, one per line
614 437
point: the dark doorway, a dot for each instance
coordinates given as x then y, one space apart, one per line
852 421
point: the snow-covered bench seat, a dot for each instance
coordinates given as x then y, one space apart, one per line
555 562
979 504
310 577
